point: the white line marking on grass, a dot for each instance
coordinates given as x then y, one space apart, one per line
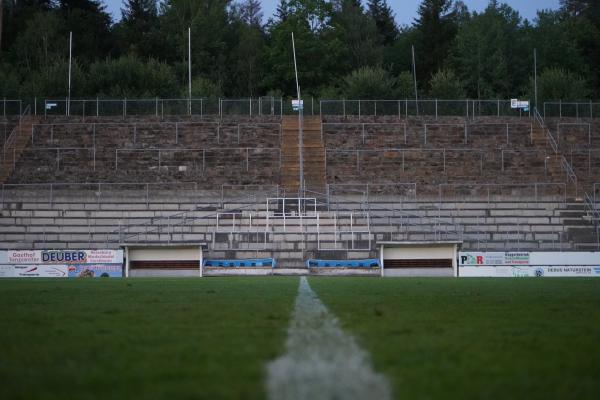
321 360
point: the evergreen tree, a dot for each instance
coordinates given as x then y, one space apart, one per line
357 34
491 54
90 24
436 28
250 12
383 16
137 32
246 57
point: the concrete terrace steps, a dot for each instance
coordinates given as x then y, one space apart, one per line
493 224
21 138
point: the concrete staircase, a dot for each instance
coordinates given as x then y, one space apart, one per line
314 156
580 230
14 146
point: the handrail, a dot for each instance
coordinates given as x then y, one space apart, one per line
183 214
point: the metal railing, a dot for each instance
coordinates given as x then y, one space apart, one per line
565 109
157 107
402 152
594 212
9 158
403 108
96 128
50 193
157 225
9 108
499 192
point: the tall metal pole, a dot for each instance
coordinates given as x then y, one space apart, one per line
300 132
1 19
70 62
535 77
415 79
189 70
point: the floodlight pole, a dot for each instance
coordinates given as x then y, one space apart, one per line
535 77
300 132
189 70
70 61
415 79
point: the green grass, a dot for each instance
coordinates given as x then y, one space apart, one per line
144 339
475 338
211 338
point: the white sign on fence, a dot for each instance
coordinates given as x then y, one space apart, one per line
297 105
516 103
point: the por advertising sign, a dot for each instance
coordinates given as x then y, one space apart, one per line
525 264
61 263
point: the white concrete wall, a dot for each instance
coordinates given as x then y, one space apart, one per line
165 253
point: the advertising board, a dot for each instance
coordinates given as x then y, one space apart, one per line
64 257
534 264
61 263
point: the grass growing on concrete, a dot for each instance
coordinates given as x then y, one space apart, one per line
475 338
144 339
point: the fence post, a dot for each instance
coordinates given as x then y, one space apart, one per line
156 106
250 106
35 106
436 109
498 107
560 108
359 110
344 107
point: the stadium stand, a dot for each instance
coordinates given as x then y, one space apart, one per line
492 183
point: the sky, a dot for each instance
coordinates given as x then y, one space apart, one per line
405 10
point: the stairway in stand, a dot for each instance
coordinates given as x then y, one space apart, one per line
314 156
14 146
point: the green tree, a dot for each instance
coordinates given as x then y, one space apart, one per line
128 76
369 83
52 81
209 22
436 29
357 33
247 51
202 87
383 16
137 32
491 56
405 86
584 25
560 84
445 85
90 24
553 38
317 50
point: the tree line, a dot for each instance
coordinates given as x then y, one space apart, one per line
345 49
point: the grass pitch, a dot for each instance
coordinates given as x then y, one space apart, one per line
211 338
141 339
475 338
